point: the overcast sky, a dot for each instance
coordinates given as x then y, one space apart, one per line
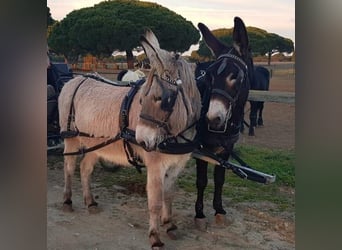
274 16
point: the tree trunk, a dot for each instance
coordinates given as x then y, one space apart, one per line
130 59
269 57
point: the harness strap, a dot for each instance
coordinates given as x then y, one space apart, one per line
172 146
127 134
100 78
87 150
238 159
71 117
126 104
70 134
224 94
160 124
131 158
229 55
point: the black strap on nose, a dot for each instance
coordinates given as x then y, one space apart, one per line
224 94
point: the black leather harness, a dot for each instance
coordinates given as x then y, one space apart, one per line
230 134
169 146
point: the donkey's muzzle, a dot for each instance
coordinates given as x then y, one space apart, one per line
147 147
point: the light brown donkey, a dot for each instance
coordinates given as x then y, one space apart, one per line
164 110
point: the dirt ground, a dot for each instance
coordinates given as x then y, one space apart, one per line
123 221
278 131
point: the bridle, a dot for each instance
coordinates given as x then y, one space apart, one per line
168 98
242 78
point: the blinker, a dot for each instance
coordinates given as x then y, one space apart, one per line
168 100
241 76
222 66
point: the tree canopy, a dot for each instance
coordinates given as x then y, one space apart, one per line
260 40
117 25
50 21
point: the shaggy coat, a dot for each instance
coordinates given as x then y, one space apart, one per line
96 108
230 76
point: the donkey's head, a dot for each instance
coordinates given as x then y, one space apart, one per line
170 99
230 76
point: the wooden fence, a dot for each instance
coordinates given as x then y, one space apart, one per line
254 95
271 96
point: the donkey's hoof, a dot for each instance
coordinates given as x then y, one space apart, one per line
93 208
155 241
158 246
201 224
67 206
221 220
172 232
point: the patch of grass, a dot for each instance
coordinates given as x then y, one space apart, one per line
128 178
278 162
53 159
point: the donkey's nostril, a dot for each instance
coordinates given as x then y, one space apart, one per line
214 121
217 120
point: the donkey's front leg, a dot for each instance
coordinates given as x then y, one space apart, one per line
219 178
201 183
86 168
168 195
154 189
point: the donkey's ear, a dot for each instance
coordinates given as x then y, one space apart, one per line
212 42
150 43
151 46
240 37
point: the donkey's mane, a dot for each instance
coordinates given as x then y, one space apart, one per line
180 118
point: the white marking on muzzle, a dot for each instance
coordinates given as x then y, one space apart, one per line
147 136
217 109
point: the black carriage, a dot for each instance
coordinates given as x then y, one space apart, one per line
58 73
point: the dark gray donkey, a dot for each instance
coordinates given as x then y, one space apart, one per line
229 79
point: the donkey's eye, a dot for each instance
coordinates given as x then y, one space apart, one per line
230 81
157 98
